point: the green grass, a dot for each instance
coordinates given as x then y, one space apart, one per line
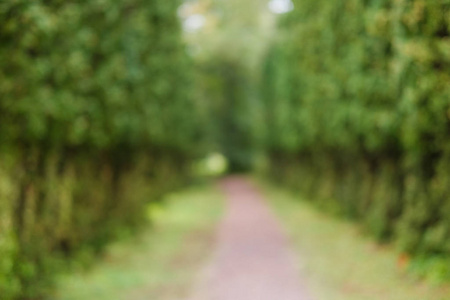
342 263
160 263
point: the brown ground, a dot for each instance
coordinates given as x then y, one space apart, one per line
253 260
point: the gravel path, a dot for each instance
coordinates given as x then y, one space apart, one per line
253 259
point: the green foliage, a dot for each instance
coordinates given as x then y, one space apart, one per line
357 98
96 119
226 53
231 116
95 74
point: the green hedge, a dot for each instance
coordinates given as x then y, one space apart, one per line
97 119
357 96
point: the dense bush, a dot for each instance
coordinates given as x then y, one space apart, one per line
358 97
96 119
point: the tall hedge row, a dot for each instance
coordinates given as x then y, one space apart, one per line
96 119
357 95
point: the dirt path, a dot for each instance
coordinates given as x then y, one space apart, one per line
253 259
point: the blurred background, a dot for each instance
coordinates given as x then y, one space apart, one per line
108 105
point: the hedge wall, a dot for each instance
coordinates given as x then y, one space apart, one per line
357 96
91 128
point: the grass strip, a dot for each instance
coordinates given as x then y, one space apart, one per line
340 262
159 263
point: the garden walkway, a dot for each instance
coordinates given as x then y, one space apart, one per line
253 260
